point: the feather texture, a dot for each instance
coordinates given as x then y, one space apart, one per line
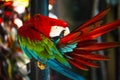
93 20
63 70
42 49
76 48
99 46
101 30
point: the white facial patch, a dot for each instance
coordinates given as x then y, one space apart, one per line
56 30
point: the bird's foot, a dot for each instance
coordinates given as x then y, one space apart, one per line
40 65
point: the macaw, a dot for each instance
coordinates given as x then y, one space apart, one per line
61 52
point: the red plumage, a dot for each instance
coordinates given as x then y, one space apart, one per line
39 24
83 55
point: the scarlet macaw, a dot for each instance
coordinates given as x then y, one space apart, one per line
73 49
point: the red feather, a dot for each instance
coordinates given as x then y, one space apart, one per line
86 62
84 36
99 46
101 30
69 38
93 20
84 29
78 65
89 56
86 43
28 32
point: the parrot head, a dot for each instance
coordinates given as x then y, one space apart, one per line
44 24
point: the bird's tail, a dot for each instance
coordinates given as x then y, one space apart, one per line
64 70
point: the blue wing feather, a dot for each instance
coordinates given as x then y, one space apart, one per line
63 70
68 48
53 64
26 52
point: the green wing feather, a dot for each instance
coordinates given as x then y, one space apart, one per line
44 48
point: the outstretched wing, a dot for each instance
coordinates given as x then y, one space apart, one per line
78 46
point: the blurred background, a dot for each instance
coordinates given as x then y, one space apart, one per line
13 13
